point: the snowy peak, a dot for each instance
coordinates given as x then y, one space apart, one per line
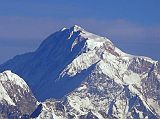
76 39
93 73
93 41
8 76
76 28
16 98
71 52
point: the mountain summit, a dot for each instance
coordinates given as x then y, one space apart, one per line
44 67
94 77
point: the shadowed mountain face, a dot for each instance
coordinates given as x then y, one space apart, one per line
94 78
42 68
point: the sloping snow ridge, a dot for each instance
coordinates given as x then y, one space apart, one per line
14 78
8 76
16 98
89 77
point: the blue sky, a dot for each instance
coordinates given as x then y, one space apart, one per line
133 25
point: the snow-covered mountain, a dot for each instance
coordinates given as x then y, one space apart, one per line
16 99
93 77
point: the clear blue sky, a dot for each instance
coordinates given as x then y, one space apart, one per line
133 25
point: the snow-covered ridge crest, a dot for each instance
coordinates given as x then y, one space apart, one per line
95 41
14 78
8 76
76 28
16 99
98 48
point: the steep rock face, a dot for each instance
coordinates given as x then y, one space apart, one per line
95 78
16 98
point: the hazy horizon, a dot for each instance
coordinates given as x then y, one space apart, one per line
134 26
